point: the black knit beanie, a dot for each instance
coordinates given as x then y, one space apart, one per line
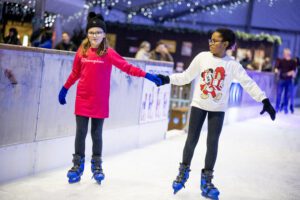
95 20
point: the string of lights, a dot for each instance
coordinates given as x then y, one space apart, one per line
23 11
158 11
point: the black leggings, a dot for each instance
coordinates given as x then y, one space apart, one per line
215 124
81 132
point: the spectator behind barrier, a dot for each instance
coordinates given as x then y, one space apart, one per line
161 52
42 38
65 44
12 37
286 69
143 52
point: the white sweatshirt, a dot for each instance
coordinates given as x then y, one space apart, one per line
214 77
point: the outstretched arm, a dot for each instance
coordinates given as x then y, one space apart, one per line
128 68
189 74
253 90
123 65
240 74
185 77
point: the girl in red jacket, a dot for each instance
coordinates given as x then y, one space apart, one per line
92 66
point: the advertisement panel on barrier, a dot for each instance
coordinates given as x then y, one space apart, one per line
155 100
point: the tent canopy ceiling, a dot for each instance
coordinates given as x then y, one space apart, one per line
242 14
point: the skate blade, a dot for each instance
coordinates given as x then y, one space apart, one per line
209 197
98 180
74 180
177 189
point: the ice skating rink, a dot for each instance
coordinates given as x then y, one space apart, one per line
258 160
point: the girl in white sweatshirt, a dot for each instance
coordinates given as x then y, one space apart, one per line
214 72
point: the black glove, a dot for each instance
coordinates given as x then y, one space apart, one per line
269 108
164 79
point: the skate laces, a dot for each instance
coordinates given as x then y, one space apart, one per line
96 166
97 169
207 181
210 186
75 168
182 176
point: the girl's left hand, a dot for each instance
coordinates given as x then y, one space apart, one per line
154 78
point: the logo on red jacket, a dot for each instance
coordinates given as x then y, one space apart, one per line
212 83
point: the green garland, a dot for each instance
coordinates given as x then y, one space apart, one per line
259 37
160 29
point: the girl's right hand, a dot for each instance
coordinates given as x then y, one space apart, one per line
62 95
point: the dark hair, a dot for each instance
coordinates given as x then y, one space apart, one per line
46 35
14 31
159 43
227 35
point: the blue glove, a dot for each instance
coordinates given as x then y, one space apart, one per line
154 78
62 95
268 108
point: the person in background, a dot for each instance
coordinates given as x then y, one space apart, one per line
247 60
66 44
92 66
295 85
42 38
161 53
213 72
286 70
12 37
267 66
143 52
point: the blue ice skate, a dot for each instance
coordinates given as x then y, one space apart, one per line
207 187
96 168
76 171
182 177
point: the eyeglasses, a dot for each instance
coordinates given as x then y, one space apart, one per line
210 41
95 33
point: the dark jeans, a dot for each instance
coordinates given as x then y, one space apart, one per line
294 92
81 132
286 87
215 124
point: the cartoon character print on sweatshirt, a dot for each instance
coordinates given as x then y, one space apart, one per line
213 82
